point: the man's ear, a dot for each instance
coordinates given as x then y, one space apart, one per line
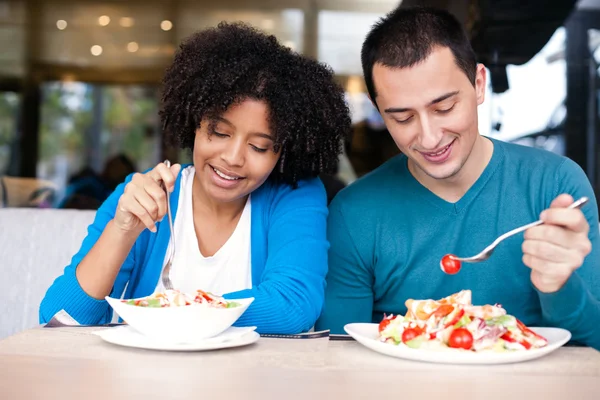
480 83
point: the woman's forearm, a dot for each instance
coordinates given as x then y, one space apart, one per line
99 268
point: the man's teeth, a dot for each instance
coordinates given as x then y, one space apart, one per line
222 175
440 152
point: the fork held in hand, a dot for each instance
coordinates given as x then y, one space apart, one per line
166 281
487 252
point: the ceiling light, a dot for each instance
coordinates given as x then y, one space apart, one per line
132 47
166 25
104 20
96 50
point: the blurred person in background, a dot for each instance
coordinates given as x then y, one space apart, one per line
87 190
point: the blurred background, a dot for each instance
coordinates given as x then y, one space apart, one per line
79 82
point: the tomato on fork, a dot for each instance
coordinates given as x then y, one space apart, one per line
450 264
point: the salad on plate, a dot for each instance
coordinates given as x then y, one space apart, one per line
176 298
455 323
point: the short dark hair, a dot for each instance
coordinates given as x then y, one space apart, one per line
408 35
224 65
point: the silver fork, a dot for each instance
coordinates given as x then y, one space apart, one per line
487 252
166 281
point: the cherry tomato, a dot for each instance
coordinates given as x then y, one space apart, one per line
385 322
461 338
410 333
449 264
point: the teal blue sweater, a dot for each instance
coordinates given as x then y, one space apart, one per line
388 233
289 261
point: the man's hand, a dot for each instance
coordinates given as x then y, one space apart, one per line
558 247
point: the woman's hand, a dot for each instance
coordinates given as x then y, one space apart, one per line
144 201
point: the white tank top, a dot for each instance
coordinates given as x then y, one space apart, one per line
228 270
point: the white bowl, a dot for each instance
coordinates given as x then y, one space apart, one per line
183 324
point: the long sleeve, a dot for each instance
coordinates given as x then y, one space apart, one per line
576 306
289 297
349 293
65 293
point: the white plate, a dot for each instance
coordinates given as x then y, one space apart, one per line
366 334
129 337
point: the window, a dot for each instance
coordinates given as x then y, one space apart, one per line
534 102
83 126
341 35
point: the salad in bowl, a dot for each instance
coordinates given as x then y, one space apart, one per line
177 317
176 298
455 323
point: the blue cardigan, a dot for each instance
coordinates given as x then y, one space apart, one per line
289 261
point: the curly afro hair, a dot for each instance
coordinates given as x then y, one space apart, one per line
221 66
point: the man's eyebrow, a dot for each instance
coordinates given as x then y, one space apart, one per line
443 97
394 110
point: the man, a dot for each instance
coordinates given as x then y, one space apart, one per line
454 191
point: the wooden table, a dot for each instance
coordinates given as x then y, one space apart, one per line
70 363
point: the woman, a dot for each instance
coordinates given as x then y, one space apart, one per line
249 214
